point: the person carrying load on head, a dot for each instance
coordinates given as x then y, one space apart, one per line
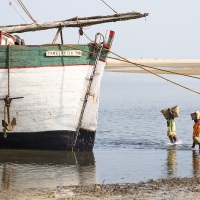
171 132
196 131
170 114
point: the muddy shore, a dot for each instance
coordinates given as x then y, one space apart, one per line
173 189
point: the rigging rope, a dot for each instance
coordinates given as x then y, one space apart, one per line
26 11
79 29
109 6
10 3
136 64
145 66
87 37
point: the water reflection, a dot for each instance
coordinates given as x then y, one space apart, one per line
196 165
20 169
171 162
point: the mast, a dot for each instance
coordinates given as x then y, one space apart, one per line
73 22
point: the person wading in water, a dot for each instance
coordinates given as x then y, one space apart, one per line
196 131
171 132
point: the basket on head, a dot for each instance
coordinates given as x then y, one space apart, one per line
166 112
195 115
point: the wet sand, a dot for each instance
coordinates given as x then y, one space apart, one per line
182 66
173 189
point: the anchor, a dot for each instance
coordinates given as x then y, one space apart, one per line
10 125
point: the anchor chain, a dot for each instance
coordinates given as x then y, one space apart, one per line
9 125
88 88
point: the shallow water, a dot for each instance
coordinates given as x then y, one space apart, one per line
131 142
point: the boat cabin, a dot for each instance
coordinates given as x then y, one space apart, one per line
7 39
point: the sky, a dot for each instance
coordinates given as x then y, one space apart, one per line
171 31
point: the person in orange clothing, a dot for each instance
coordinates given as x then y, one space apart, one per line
196 131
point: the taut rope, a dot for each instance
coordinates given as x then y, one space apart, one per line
109 6
144 66
164 70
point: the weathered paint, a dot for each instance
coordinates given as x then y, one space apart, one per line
49 140
90 116
6 39
109 39
53 90
53 96
35 56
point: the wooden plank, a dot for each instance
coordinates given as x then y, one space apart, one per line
74 22
34 56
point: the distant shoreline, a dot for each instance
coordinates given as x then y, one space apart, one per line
183 66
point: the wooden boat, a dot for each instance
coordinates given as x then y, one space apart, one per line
49 94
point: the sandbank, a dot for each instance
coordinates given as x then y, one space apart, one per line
182 66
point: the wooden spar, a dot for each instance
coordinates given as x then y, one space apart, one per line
73 22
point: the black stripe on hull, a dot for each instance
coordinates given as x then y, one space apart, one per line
49 140
85 140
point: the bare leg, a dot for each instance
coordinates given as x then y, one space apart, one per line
175 138
193 145
171 139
